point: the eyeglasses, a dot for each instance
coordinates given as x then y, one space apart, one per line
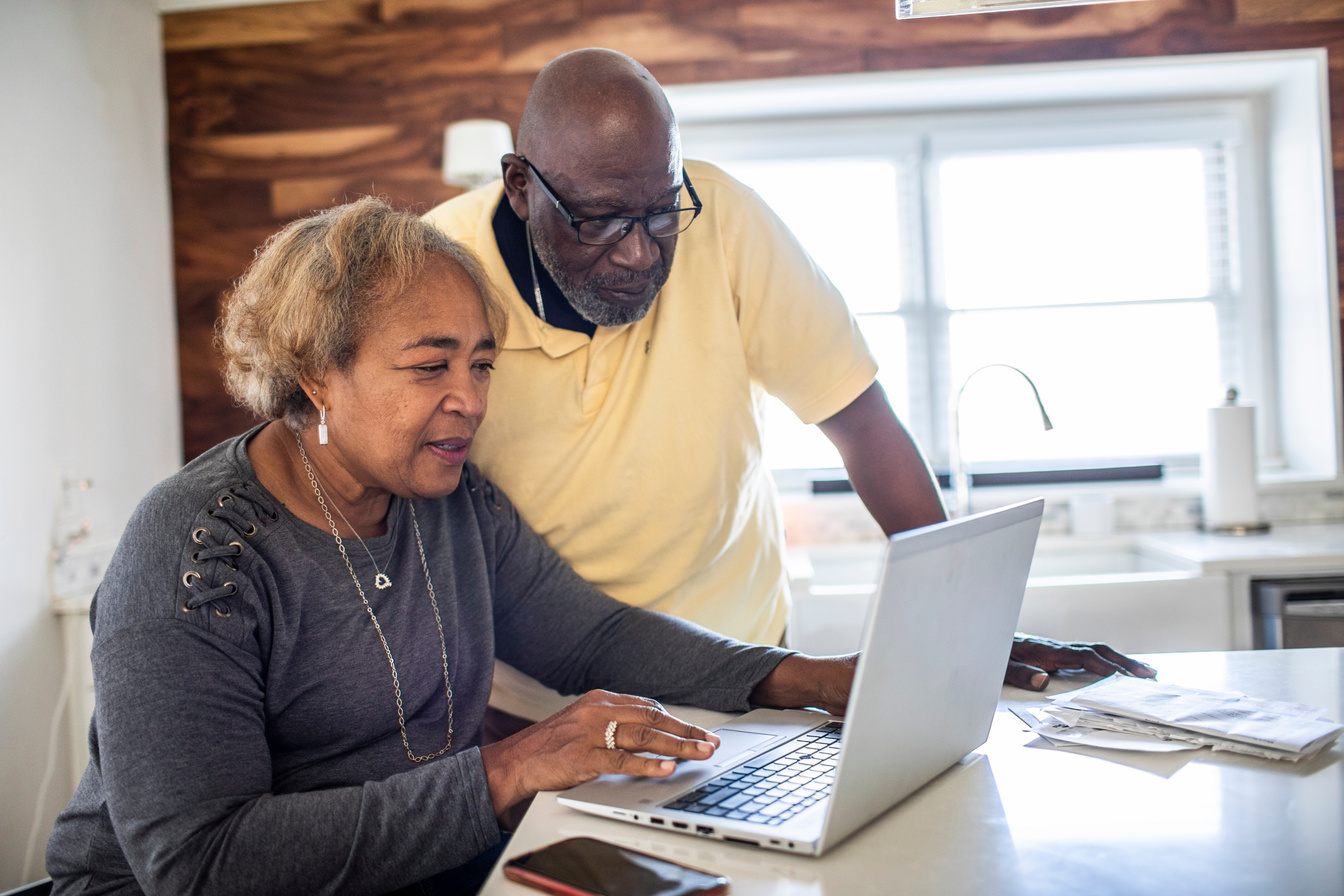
606 230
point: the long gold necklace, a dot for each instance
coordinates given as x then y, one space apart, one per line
536 284
382 639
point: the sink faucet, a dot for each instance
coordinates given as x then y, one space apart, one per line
961 483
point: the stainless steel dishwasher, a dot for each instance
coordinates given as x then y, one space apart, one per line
1298 612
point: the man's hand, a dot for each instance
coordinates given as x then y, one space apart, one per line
1033 659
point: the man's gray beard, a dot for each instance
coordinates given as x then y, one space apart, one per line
585 299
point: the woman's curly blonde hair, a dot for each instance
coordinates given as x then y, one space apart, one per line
311 295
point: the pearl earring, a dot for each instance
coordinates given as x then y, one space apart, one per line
322 427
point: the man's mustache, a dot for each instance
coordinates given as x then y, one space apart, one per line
630 278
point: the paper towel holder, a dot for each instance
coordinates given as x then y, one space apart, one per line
1257 528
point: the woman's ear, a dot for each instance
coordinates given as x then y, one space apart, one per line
314 391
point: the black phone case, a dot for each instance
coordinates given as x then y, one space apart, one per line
584 866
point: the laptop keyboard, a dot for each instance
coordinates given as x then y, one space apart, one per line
773 787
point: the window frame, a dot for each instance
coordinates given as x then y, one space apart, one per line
1212 128
1278 96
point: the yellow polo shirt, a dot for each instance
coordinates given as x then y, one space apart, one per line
637 453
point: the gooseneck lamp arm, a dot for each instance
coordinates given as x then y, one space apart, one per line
961 482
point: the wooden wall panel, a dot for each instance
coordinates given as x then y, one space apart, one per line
276 110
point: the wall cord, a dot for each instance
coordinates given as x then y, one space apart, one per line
53 735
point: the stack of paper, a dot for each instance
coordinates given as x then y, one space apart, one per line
1137 713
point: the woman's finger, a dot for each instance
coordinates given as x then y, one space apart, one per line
635 737
625 709
625 763
658 719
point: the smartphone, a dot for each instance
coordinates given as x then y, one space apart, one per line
582 866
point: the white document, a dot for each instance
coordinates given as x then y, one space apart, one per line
1065 733
1162 737
1221 719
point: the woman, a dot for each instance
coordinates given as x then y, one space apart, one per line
293 645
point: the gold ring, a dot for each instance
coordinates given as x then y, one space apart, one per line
611 735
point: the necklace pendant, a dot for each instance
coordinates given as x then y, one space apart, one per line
382 582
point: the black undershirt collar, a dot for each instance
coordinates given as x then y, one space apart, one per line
511 237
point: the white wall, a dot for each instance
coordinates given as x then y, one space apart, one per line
88 373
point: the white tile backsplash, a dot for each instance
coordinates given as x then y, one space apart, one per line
1171 505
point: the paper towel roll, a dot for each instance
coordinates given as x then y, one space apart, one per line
1231 498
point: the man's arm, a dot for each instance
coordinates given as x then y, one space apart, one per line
893 479
886 467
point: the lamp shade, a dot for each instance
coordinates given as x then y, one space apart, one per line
472 149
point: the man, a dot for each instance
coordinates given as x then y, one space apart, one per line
627 400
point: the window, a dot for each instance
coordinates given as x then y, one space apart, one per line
1109 248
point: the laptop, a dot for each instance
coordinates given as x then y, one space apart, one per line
935 646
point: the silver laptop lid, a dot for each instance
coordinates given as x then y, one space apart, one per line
934 651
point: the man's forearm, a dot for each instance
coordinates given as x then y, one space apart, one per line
885 466
809 681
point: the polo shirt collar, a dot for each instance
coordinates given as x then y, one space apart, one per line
526 330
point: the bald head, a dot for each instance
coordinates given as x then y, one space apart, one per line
598 140
594 99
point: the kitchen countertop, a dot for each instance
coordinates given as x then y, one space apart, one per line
1019 818
1284 550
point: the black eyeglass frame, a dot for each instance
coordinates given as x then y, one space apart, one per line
630 220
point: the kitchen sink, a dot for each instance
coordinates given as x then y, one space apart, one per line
1112 561
1078 589
853 568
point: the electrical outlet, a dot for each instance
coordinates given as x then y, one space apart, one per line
80 568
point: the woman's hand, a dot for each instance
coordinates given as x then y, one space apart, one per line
571 747
804 681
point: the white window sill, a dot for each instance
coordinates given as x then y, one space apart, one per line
1172 503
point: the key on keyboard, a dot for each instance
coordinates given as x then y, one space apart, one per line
773 787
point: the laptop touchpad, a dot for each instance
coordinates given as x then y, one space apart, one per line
733 743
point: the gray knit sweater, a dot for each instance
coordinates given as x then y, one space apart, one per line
245 737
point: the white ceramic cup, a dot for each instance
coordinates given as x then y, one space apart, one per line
1092 514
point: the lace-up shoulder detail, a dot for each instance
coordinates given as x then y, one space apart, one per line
213 552
245 508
